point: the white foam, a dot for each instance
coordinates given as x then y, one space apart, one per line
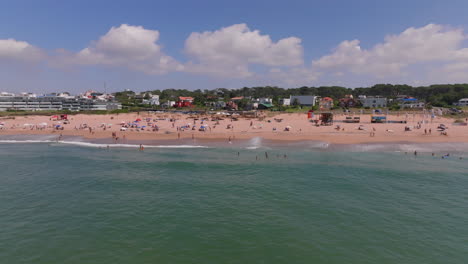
255 143
97 145
8 141
407 147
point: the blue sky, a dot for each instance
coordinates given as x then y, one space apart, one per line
282 43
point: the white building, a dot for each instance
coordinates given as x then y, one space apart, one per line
168 104
154 100
303 100
5 94
373 101
410 102
462 102
285 101
26 102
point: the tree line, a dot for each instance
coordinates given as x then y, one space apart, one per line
441 95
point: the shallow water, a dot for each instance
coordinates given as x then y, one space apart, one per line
63 203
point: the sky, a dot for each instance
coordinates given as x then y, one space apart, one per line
74 46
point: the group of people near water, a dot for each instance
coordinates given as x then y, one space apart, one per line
445 156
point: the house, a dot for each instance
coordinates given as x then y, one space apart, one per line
237 98
153 100
326 103
186 99
410 102
218 104
231 105
267 103
285 102
462 102
303 100
264 106
347 102
168 104
373 101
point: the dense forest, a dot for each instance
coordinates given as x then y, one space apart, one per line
436 95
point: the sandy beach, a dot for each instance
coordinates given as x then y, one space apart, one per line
168 126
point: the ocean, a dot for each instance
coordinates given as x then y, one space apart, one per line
80 202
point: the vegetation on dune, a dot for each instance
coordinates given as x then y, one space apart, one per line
440 95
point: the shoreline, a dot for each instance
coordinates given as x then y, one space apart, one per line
290 129
253 144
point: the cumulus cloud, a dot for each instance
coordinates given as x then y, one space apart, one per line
230 50
12 50
431 43
293 77
128 46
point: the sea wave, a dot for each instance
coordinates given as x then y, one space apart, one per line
401 147
11 141
96 145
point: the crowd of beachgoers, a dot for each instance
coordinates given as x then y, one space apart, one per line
400 127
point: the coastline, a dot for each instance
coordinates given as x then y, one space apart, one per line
252 144
102 128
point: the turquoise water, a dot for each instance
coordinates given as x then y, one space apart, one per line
70 204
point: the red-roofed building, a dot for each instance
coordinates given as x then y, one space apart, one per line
186 99
326 103
184 102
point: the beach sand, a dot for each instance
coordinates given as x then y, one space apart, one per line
301 129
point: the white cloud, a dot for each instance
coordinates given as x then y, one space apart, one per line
133 47
431 43
293 77
12 50
229 51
